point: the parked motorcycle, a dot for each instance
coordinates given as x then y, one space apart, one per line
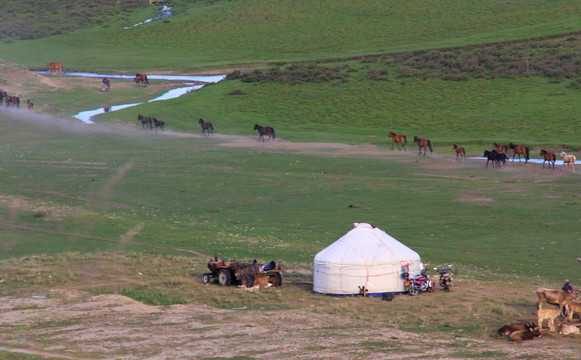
418 283
446 281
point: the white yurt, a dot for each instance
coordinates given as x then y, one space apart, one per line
364 257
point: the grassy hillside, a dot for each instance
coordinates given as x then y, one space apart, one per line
232 34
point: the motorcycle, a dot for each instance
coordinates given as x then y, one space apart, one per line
446 281
416 284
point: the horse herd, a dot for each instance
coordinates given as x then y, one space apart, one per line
497 157
148 123
13 101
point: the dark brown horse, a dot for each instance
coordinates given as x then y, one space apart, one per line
265 130
550 157
158 124
206 126
519 150
423 143
500 148
141 80
146 122
397 140
460 152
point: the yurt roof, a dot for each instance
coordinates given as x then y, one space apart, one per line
365 244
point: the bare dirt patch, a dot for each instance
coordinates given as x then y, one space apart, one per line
478 200
75 325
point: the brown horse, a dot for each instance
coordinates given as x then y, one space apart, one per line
55 68
460 152
423 143
146 122
265 130
206 126
397 140
519 150
141 80
500 148
550 157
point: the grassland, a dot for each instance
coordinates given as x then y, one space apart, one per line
214 35
86 207
95 191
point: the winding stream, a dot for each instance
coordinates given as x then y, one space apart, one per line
187 80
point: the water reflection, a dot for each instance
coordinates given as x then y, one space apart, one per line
536 161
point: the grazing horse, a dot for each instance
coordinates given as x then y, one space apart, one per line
550 157
423 143
265 130
145 122
491 156
141 80
158 124
206 126
460 152
397 139
568 159
55 68
500 148
519 150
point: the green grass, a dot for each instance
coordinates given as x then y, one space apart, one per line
233 34
104 191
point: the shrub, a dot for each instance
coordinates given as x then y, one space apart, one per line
296 74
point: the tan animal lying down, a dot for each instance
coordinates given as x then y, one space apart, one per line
567 329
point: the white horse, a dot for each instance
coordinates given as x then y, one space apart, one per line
568 159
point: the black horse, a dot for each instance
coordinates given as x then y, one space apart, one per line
491 156
158 124
265 130
146 122
206 126
501 158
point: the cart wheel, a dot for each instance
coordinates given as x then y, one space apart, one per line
206 278
275 280
224 277
413 291
247 280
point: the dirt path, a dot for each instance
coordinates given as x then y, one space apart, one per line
74 325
